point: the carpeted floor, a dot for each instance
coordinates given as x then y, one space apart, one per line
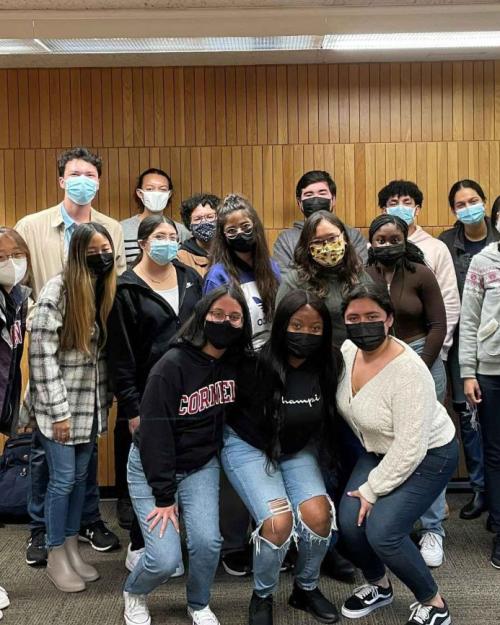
467 580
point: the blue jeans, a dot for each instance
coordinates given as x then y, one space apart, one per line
198 500
65 496
384 538
432 519
296 479
39 479
490 428
470 431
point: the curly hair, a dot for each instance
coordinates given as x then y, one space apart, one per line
315 277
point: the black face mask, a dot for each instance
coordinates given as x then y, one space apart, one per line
242 242
100 264
388 254
366 335
222 335
312 204
303 345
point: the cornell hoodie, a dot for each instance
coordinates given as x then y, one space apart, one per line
438 259
479 350
182 414
286 243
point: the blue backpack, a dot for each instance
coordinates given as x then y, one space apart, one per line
14 471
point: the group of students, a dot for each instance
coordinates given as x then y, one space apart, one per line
315 379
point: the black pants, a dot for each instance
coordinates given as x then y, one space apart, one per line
489 417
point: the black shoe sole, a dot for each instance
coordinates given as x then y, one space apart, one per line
321 619
83 539
35 563
470 517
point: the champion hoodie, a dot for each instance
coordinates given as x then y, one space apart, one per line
182 415
479 350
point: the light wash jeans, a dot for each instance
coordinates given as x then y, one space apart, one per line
296 479
65 496
198 500
432 519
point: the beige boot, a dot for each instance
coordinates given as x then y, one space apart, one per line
61 573
87 572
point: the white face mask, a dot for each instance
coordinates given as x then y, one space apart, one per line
155 201
12 271
497 226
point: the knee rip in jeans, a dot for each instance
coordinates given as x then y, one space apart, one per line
307 532
276 507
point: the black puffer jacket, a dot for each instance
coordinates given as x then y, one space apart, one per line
140 328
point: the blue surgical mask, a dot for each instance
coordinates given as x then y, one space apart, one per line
406 213
81 189
471 214
163 252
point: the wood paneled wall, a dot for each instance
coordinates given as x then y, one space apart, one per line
254 130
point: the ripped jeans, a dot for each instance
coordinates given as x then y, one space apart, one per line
271 491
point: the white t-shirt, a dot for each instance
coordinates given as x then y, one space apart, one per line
171 296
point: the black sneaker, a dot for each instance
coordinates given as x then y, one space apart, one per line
98 535
36 550
260 611
429 615
238 563
124 513
366 599
337 567
315 603
495 554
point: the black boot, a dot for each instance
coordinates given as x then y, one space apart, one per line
474 508
337 567
314 602
260 611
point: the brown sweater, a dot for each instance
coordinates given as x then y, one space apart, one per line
419 308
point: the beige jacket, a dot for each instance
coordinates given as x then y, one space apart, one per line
44 235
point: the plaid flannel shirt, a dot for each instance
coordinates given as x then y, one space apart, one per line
64 384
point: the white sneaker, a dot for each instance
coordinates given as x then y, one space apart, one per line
133 558
136 610
4 599
203 617
431 548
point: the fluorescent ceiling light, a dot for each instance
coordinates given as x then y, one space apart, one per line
412 41
182 44
21 46
380 41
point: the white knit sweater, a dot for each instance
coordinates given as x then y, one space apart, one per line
395 414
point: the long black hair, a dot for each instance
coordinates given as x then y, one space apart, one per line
314 276
413 254
272 368
265 279
193 331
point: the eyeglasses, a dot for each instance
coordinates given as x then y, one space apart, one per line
232 233
170 237
219 316
201 218
318 244
16 256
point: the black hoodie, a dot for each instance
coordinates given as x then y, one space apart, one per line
182 415
140 326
